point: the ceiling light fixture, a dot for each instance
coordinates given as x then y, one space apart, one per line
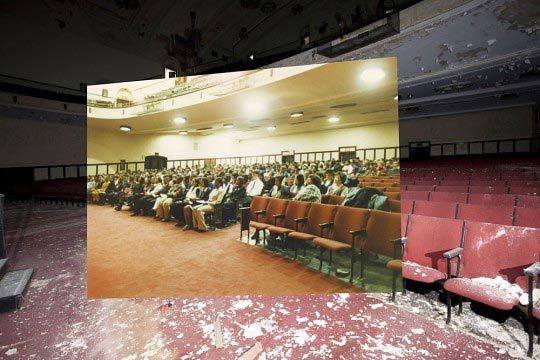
372 75
228 126
182 133
125 128
333 119
297 114
271 128
179 120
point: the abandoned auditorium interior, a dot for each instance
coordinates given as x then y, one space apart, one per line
270 179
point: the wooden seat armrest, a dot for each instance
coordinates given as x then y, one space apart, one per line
399 241
299 220
326 225
355 233
244 208
533 270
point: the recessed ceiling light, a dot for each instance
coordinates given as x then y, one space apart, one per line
228 126
179 120
125 128
182 133
297 114
372 75
271 128
333 119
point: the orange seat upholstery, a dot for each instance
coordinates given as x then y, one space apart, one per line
267 217
258 203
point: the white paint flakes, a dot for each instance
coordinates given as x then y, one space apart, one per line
301 319
242 304
11 352
418 331
321 323
376 306
342 341
301 337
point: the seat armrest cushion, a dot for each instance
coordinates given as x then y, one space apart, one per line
302 219
533 270
357 232
325 225
453 253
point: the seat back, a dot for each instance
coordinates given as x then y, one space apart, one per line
525 190
395 205
420 187
335 199
529 201
454 197
502 215
457 182
295 209
481 189
318 214
258 203
382 227
454 188
492 199
529 217
491 250
347 219
393 195
415 195
275 207
407 206
437 209
429 237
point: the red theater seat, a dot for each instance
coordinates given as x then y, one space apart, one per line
529 217
486 254
427 239
455 197
529 201
461 182
502 215
525 190
480 182
268 216
492 199
437 209
406 206
420 187
429 182
415 195
308 228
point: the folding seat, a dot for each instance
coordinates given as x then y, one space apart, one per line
415 195
529 217
308 227
502 215
461 189
525 190
492 199
427 238
436 209
393 188
393 195
407 206
480 182
524 183
529 201
454 197
267 217
286 222
481 189
485 254
454 182
420 187
248 214
347 224
395 205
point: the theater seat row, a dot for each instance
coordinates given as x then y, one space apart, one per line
472 182
503 215
455 252
476 189
329 227
530 201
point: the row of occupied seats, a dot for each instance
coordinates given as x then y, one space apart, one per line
329 227
475 189
338 200
504 215
455 252
381 187
474 198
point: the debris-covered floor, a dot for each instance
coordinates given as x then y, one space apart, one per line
57 322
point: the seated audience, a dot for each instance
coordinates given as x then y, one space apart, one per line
312 190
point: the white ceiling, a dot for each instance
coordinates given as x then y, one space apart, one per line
315 92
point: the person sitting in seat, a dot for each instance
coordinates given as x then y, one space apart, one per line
279 191
312 190
176 192
100 190
214 198
235 198
177 206
255 186
144 203
203 195
338 188
298 185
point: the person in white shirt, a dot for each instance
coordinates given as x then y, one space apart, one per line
255 186
198 212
